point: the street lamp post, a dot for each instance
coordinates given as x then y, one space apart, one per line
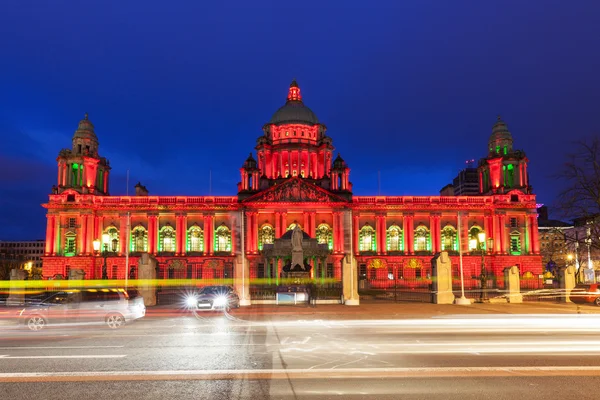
96 244
483 276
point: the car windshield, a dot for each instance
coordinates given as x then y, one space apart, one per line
214 290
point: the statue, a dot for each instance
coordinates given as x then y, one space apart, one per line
297 239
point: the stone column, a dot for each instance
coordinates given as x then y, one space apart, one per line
384 234
378 233
465 232
50 227
81 234
89 247
436 232
355 234
208 234
410 232
122 234
567 281
535 242
146 274
152 234
512 284
16 295
442 279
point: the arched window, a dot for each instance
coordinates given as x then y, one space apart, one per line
293 226
394 238
222 238
195 242
139 239
324 235
113 239
366 239
474 243
422 239
70 244
449 238
167 239
266 235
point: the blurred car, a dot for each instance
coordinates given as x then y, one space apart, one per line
582 294
110 306
211 298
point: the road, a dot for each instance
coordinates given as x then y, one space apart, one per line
221 357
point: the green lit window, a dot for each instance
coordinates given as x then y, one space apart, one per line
222 238
324 235
195 240
422 239
474 243
366 238
113 239
449 238
498 149
70 244
167 239
266 235
509 177
394 238
515 244
505 149
139 239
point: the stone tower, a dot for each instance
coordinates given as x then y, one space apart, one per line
81 168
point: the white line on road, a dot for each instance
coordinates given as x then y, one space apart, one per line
73 356
321 373
59 347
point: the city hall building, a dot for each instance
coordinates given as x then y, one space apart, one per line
292 179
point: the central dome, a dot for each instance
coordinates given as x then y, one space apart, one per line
294 111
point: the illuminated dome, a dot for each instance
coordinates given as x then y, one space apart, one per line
85 130
294 111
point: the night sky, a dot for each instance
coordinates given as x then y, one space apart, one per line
177 89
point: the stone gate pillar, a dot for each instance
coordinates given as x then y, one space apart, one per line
350 281
442 279
567 281
512 283
147 274
16 294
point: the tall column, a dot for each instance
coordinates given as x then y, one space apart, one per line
50 232
58 245
378 233
355 234
255 232
502 233
487 228
89 248
465 231
178 234
384 234
98 226
410 232
208 234
81 232
106 173
341 233
283 222
277 224
306 223
233 230
436 231
122 234
535 240
152 234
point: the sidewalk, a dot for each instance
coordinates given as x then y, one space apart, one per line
378 310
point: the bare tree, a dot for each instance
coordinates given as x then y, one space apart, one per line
580 200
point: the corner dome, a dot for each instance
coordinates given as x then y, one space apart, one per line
294 111
85 130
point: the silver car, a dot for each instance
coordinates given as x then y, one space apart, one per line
110 306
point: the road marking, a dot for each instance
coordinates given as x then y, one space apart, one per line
328 373
4 357
59 347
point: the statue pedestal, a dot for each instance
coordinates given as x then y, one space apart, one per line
297 258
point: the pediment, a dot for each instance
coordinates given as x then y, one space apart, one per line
295 190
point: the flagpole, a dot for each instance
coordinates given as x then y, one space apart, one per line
127 239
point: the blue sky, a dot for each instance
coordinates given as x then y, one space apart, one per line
179 89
